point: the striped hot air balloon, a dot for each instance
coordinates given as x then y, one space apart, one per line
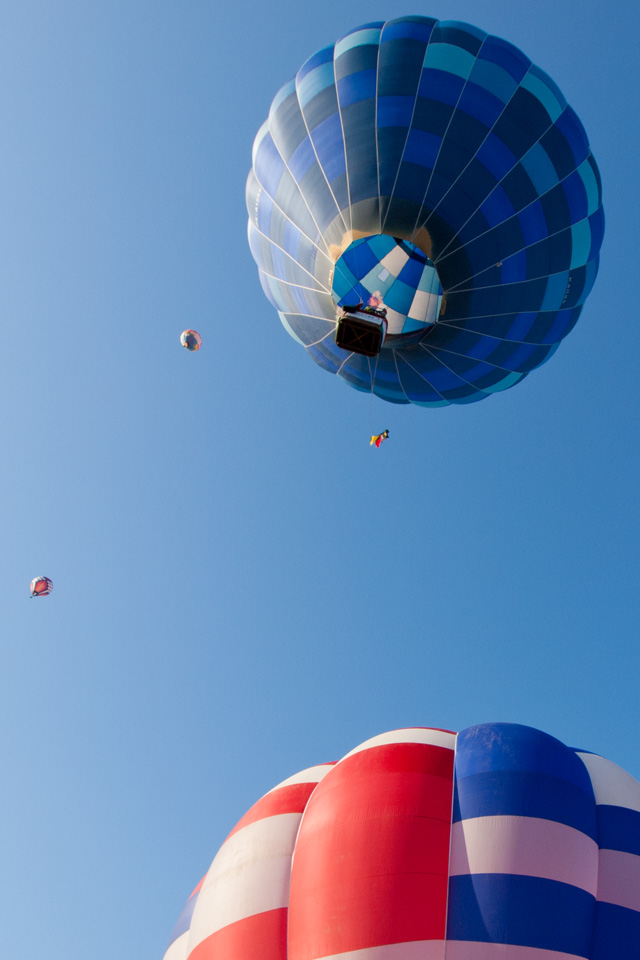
432 170
498 843
41 587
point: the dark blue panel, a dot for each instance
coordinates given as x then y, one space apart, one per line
399 67
532 223
394 112
563 323
617 933
496 156
596 222
618 829
569 125
303 158
556 209
359 59
506 56
432 116
557 148
457 37
522 123
518 187
440 86
422 148
523 911
481 104
415 386
418 28
576 195
357 86
329 145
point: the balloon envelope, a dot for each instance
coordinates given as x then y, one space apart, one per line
498 843
432 168
41 587
191 340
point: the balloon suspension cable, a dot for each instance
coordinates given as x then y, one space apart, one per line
373 382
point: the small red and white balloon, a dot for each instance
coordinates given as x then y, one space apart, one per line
191 340
41 587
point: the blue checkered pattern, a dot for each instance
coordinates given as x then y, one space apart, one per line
442 135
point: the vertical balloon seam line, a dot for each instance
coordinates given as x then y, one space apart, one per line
406 139
417 228
453 794
327 334
597 839
294 261
465 356
432 353
514 253
344 142
313 147
395 360
286 215
300 193
348 357
561 180
375 127
488 133
422 377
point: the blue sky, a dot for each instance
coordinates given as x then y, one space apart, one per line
242 586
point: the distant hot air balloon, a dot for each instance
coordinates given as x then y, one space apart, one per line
498 843
41 587
191 339
431 170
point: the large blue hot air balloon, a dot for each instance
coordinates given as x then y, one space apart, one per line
432 180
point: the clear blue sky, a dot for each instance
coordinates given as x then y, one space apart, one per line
242 586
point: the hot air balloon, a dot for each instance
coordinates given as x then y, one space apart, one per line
41 587
498 843
191 339
431 170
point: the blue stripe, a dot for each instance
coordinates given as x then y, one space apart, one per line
618 829
617 933
522 911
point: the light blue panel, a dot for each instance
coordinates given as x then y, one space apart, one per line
494 79
542 86
281 96
358 38
591 186
315 82
504 384
542 172
444 56
556 289
580 243
289 328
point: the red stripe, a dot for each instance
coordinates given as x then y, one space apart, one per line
291 799
261 937
372 855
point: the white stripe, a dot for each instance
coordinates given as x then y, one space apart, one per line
525 846
415 950
178 949
611 784
436 738
310 775
250 874
619 878
472 950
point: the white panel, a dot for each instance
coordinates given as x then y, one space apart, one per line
415 950
310 775
619 878
178 949
611 784
395 260
250 874
470 950
437 738
525 846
